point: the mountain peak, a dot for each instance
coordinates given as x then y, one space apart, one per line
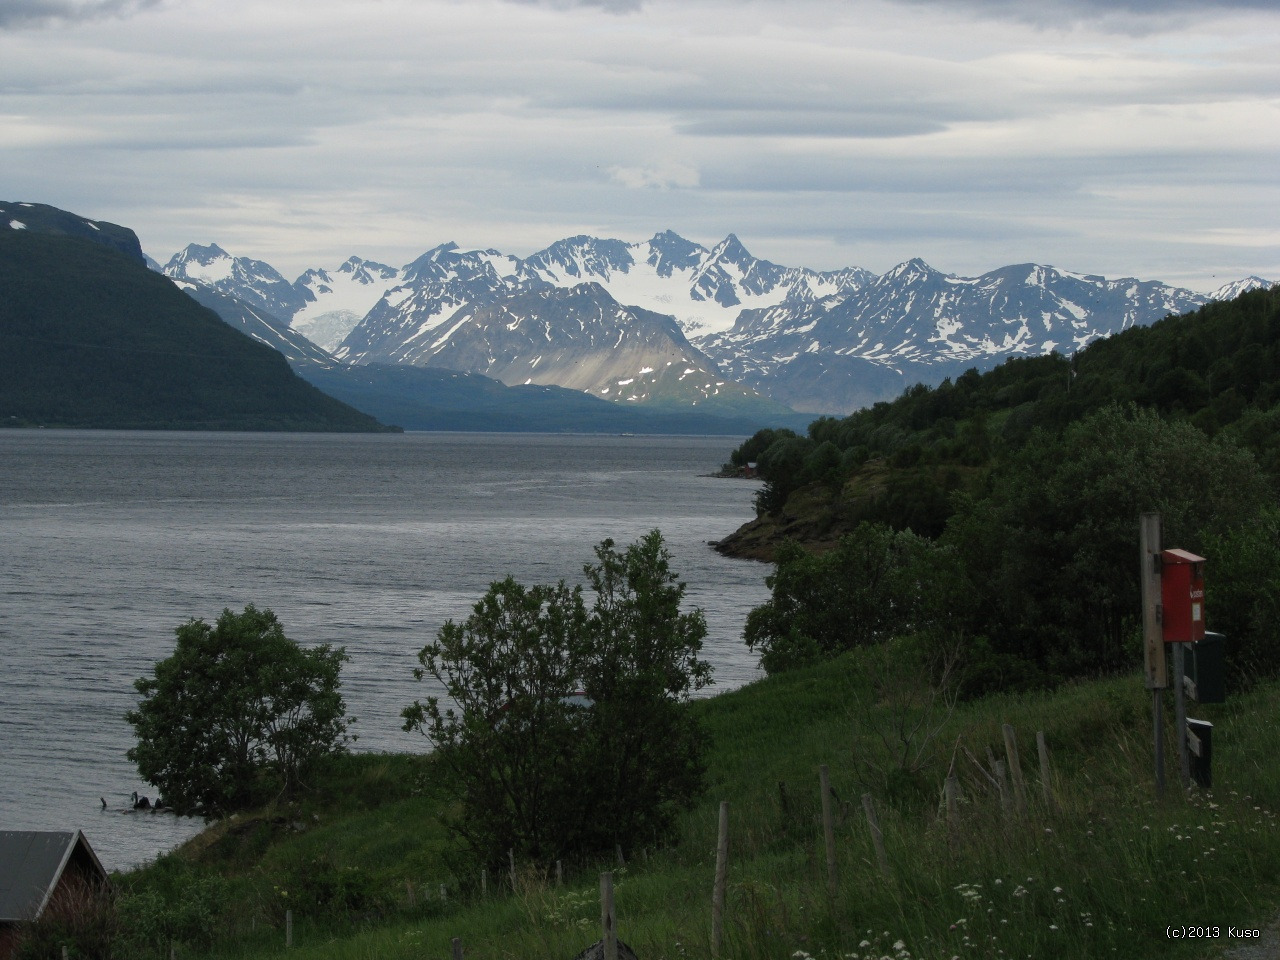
205 254
731 249
912 269
669 251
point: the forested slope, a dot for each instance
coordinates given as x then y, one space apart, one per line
996 516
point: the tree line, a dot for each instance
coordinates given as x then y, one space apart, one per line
997 514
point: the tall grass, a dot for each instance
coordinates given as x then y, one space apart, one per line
1103 870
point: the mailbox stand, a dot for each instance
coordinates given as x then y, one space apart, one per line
1172 613
1181 623
1180 713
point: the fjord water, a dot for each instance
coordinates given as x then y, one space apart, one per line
110 540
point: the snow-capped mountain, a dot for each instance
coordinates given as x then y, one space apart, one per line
822 342
578 337
1229 291
705 290
413 318
337 300
256 283
922 324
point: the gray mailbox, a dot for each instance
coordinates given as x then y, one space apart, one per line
1205 669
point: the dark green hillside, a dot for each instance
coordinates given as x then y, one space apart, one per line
92 338
994 519
903 462
42 218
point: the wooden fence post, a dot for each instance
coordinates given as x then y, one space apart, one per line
1002 785
456 946
1015 769
608 917
288 928
1155 663
828 828
484 883
952 792
511 857
717 893
559 874
877 837
1046 775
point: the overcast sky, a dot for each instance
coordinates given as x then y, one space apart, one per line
1131 138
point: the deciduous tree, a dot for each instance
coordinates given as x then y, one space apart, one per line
562 726
238 713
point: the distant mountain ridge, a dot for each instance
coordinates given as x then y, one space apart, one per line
818 341
93 338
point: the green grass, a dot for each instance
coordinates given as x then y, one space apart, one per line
1100 873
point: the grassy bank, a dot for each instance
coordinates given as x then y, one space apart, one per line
1100 869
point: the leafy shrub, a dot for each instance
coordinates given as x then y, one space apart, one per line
567 734
238 713
177 907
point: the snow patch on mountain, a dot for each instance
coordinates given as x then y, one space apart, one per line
1230 291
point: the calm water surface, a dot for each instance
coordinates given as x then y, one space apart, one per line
109 540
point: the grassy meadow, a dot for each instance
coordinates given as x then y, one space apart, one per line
1098 868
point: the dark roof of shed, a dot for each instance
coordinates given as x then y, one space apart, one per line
31 863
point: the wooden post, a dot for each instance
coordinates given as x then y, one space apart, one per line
1046 775
173 950
1002 785
559 874
456 945
443 893
511 857
1154 664
877 837
288 928
952 791
484 883
64 952
828 828
717 893
608 918
1015 769
408 889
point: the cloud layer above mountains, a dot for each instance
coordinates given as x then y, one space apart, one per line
1132 138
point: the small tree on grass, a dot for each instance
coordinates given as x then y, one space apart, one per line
537 767
239 713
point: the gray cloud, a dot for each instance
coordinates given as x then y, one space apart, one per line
38 13
855 124
823 132
612 6
1136 17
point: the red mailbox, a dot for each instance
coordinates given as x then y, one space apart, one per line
1182 594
